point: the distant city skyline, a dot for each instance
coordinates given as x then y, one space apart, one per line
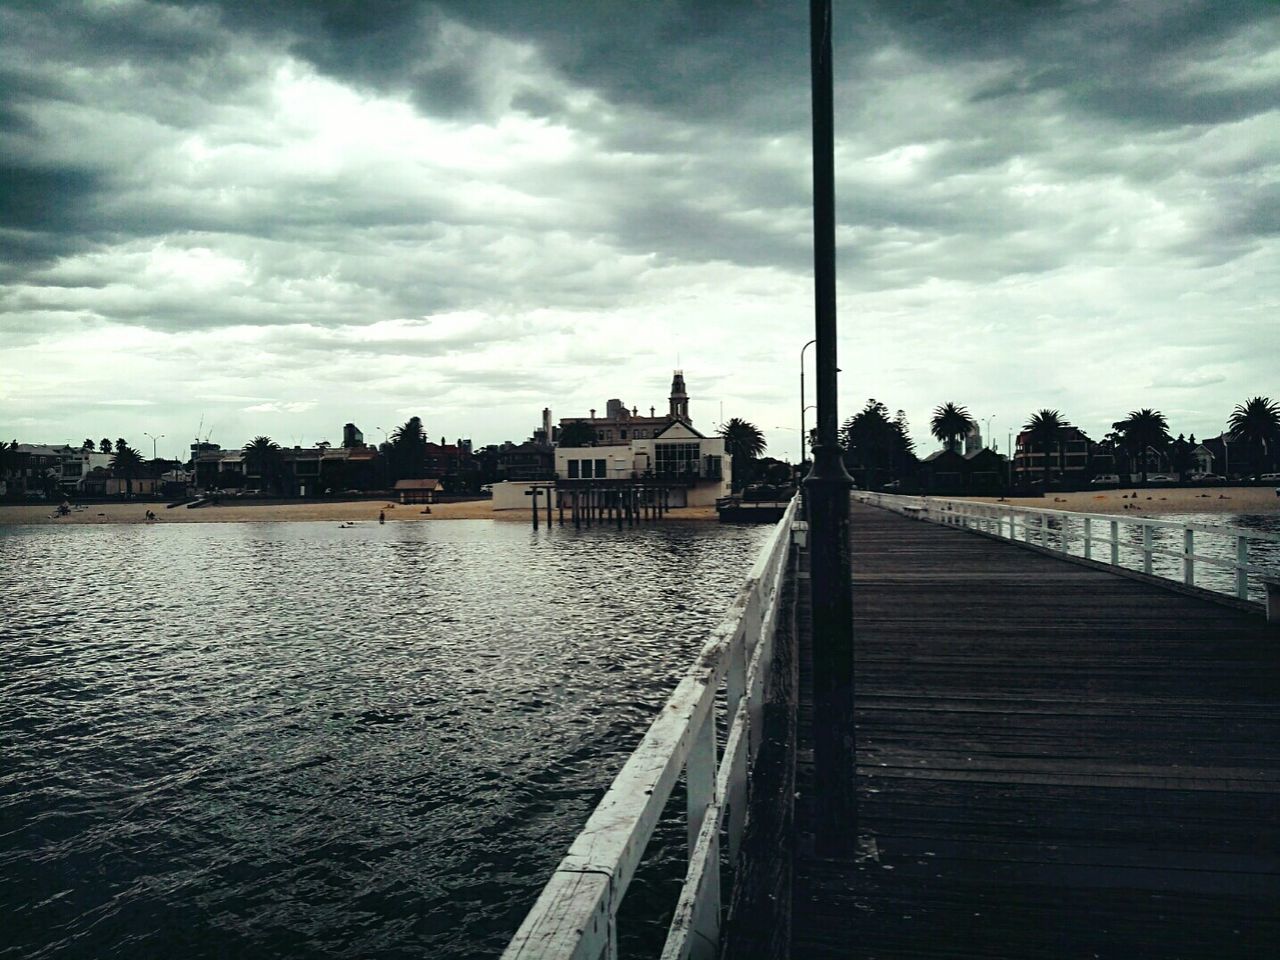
278 220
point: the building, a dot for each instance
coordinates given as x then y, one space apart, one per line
78 465
351 436
1068 458
417 491
35 469
1201 459
695 466
620 426
294 472
948 473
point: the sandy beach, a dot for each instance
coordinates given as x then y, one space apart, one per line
241 512
1181 500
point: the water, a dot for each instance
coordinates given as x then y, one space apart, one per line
1262 553
296 740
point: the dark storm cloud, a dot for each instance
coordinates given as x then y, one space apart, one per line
720 65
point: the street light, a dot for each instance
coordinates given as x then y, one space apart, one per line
987 436
827 495
153 443
804 437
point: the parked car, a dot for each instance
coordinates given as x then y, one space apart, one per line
1161 478
1207 478
1113 478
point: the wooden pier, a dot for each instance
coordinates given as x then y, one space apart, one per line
1054 761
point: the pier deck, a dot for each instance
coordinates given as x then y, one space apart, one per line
1054 761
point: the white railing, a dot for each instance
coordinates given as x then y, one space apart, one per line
575 916
1108 538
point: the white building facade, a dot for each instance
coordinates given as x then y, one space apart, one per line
697 467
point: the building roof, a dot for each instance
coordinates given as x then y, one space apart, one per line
937 454
46 450
417 484
678 423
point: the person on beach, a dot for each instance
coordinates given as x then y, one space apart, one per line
382 516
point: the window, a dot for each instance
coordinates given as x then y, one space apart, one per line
601 470
676 459
713 468
586 469
573 469
622 434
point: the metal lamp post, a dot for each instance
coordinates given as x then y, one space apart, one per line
153 442
827 493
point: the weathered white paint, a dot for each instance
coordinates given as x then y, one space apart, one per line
1272 585
513 494
991 518
575 914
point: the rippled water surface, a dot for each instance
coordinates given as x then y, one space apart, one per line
297 740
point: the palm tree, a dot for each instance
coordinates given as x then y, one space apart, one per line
125 464
950 424
104 445
1046 427
577 433
743 441
408 449
1142 429
261 456
88 444
1256 422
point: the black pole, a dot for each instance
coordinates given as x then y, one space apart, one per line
827 492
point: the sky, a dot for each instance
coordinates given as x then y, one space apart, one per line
231 218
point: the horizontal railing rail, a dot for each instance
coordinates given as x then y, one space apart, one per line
576 914
1226 547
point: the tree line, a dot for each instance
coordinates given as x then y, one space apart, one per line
879 446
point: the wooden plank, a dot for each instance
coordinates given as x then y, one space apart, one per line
1055 761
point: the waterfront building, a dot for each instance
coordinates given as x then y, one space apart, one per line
696 466
417 491
1068 457
78 465
36 468
950 473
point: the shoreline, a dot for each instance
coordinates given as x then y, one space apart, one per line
1180 500
346 511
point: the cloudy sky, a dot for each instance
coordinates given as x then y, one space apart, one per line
277 217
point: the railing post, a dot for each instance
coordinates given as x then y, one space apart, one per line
1044 530
1115 543
1146 549
1242 568
1188 556
1088 538
700 773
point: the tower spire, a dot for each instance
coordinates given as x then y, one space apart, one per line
679 409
